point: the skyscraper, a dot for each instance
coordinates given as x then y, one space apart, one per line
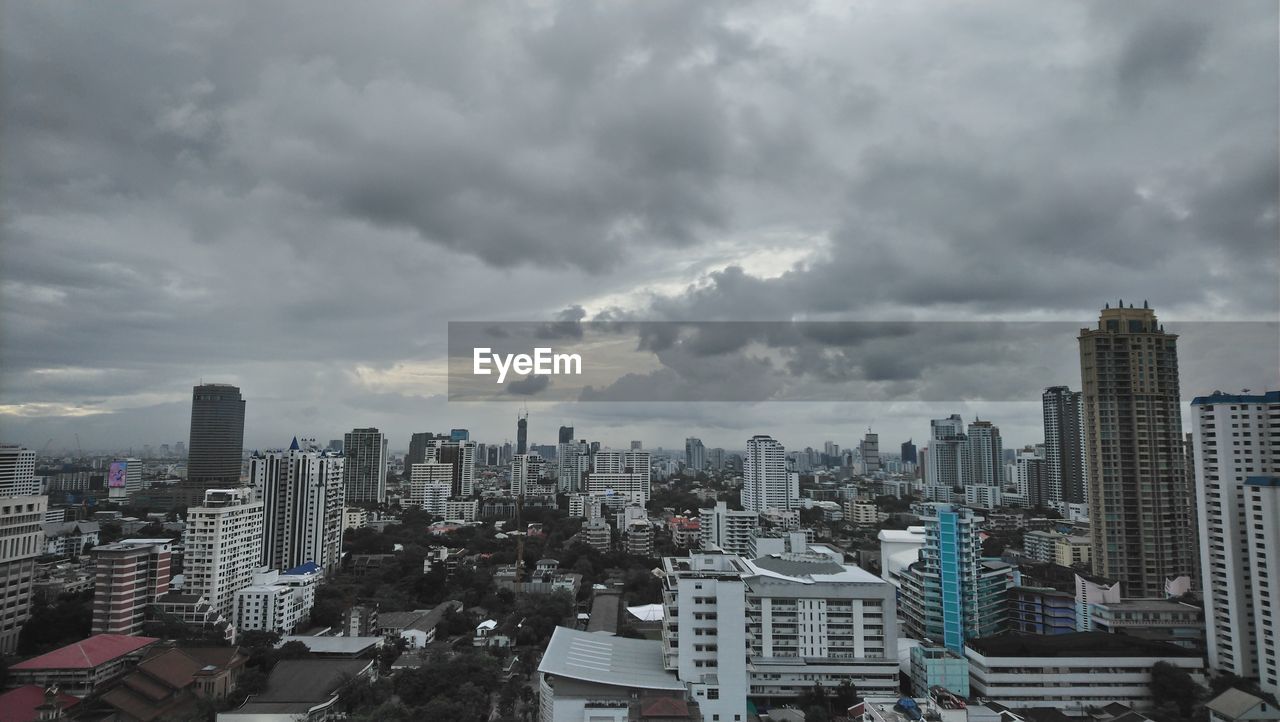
1237 479
566 435
522 433
909 452
303 495
223 543
364 471
1064 446
1139 492
948 450
217 437
21 541
430 486
985 454
765 481
418 443
695 454
869 449
18 471
461 455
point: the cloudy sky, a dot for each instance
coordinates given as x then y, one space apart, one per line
298 197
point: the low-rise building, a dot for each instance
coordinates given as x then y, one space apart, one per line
596 677
1071 671
80 668
1160 620
172 683
1236 705
70 538
937 666
301 690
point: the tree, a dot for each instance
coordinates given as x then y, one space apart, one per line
1176 691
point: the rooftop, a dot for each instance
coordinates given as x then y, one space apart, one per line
809 569
1076 644
605 659
88 653
335 645
19 705
1234 703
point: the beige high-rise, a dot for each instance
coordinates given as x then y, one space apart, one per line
1140 494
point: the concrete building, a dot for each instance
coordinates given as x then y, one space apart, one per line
82 667
364 472
695 455
985 455
223 544
899 549
303 496
69 538
639 538
1237 479
1064 447
765 481
275 601
726 530
596 534
938 667
598 677
1158 620
863 513
1140 494
129 576
947 456
798 619
1070 672
952 593
430 486
633 486
18 472
21 541
869 450
124 480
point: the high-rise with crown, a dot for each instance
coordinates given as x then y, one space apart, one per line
303 493
1140 496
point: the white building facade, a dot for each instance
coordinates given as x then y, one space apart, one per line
223 543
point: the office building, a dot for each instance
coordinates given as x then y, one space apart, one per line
766 484
364 471
461 456
18 471
129 576
217 438
223 543
430 486
869 450
566 435
21 541
1064 448
1140 495
952 593
522 433
909 453
1071 672
1237 479
797 619
303 495
695 455
418 443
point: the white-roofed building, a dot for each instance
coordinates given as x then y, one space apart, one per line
597 677
899 549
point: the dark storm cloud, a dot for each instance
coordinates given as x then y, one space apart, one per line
296 197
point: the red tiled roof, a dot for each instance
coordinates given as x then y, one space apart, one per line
665 707
19 705
86 654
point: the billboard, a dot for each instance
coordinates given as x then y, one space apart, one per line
116 476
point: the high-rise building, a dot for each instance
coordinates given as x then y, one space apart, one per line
985 454
459 435
695 455
802 618
1064 446
952 593
461 455
909 452
217 437
1237 473
418 443
430 486
129 576
303 495
573 461
1031 476
727 530
124 479
765 481
636 445
715 458
223 543
1140 495
869 450
364 470
566 435
522 433
18 471
948 453
520 475
21 541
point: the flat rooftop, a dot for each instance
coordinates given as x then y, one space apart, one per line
1076 644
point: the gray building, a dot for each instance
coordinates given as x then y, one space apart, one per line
365 472
217 436
1063 445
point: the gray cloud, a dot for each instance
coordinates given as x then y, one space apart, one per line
298 197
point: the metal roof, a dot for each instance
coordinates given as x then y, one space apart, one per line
605 659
